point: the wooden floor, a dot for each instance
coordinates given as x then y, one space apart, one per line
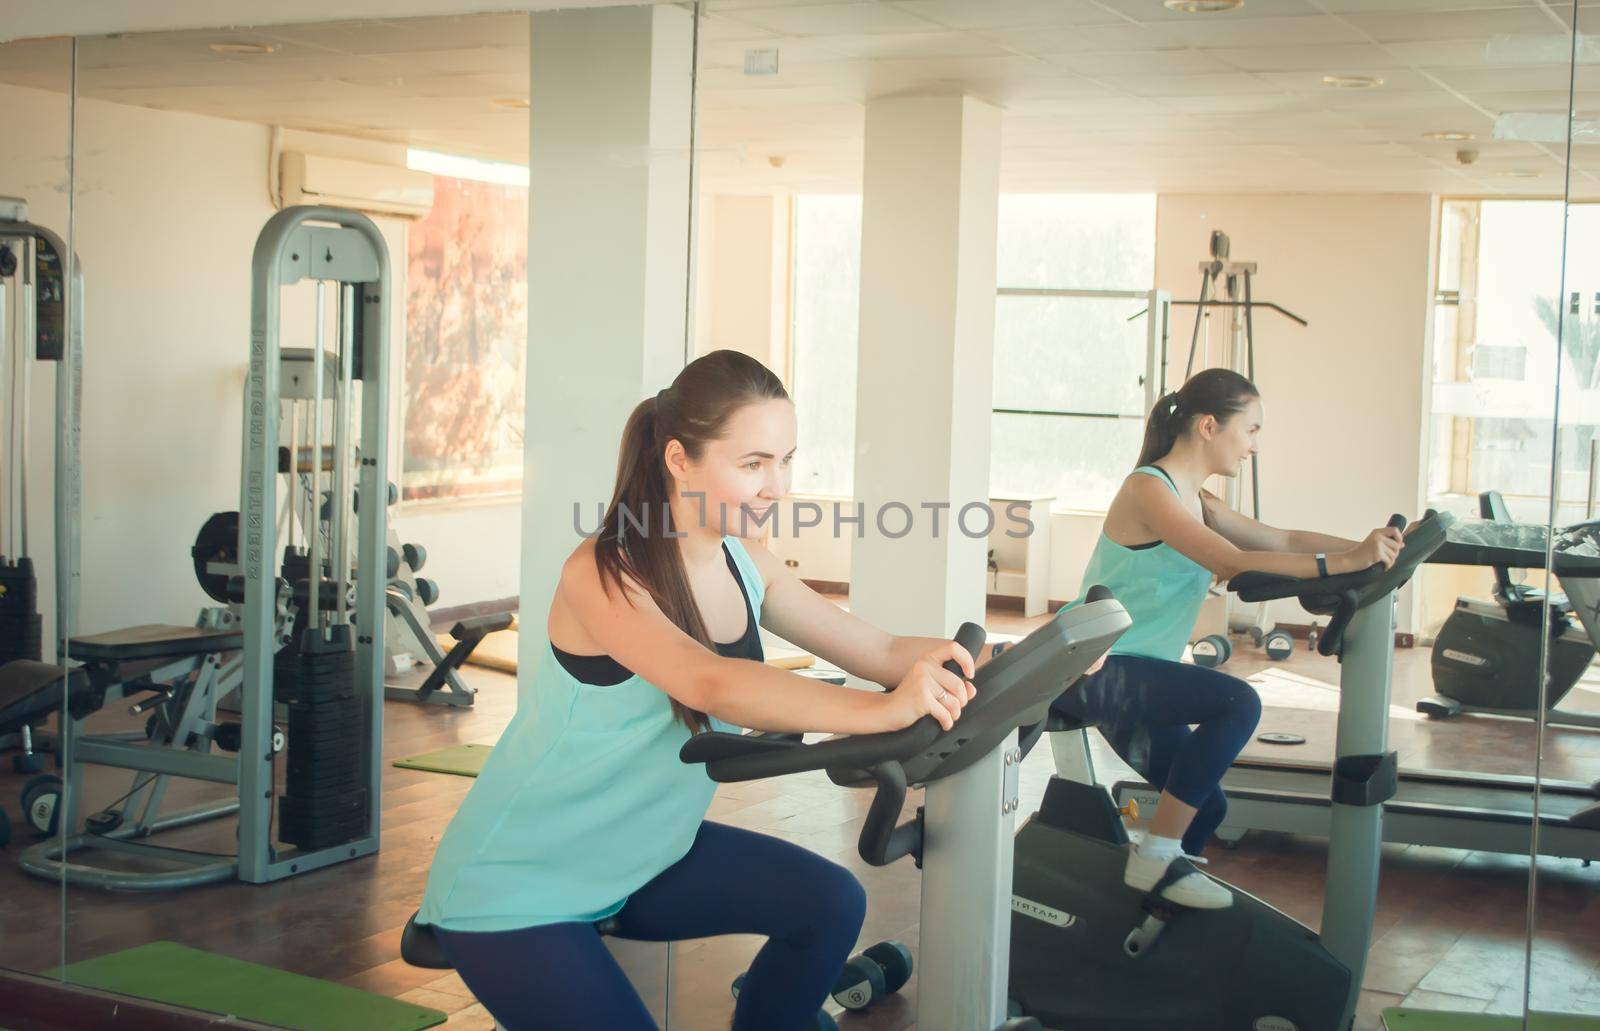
1449 931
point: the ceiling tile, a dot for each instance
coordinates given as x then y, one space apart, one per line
837 19
1140 62
1001 14
1412 28
1263 32
1322 59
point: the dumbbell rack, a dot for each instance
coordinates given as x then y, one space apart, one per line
409 638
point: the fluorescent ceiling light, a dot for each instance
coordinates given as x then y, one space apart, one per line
1204 6
1352 81
457 167
242 49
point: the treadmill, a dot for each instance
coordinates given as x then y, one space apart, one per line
1475 811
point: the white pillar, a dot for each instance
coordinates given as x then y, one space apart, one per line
925 367
608 246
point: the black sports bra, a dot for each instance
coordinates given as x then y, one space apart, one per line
604 671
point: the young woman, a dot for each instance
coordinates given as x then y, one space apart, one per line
584 812
1165 539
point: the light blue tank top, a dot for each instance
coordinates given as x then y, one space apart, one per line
1161 587
582 802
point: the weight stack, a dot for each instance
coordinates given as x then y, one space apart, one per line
21 626
325 800
325 679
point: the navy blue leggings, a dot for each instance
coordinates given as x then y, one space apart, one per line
732 881
1144 708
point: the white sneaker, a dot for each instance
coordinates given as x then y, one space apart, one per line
1193 889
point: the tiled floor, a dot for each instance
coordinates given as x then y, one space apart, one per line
1450 927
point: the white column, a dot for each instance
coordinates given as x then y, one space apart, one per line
925 368
608 246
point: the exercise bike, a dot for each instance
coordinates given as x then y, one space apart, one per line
1486 657
1086 951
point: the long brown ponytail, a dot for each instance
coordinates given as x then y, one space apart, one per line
1218 393
634 541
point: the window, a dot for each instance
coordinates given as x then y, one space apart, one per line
466 332
1496 313
1069 371
827 289
1068 384
1492 362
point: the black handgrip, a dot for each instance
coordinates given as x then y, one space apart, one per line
971 637
716 746
1258 586
883 839
1332 639
735 757
1332 636
855 751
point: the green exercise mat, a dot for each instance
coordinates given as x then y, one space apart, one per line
462 760
180 976
1398 1018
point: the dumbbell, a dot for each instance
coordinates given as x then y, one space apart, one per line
416 556
869 976
229 736
1279 645
1212 650
41 803
394 495
427 591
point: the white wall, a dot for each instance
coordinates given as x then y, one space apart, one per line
168 208
474 548
1342 446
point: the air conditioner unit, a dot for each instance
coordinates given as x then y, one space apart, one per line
342 183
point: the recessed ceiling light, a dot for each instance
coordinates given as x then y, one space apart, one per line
512 102
1351 81
1204 6
250 49
1451 137
1521 173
